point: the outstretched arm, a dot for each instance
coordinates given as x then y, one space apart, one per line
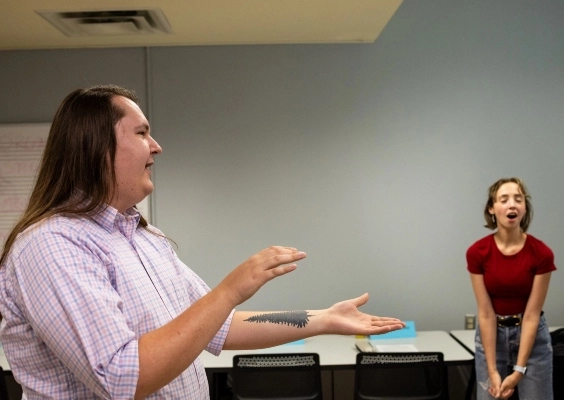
488 332
255 330
167 351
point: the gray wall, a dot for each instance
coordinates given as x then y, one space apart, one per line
373 158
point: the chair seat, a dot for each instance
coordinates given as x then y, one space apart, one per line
400 376
558 377
3 386
295 376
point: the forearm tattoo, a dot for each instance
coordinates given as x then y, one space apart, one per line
299 319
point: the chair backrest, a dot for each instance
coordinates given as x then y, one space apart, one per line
295 376
3 386
558 377
558 362
413 376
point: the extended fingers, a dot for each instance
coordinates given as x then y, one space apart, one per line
380 329
274 256
380 325
274 261
385 321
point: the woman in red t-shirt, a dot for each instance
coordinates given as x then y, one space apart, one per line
510 272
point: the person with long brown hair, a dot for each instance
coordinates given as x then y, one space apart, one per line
95 302
510 272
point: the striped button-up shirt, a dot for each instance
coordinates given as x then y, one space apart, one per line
76 293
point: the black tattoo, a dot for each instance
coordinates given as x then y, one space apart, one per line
298 319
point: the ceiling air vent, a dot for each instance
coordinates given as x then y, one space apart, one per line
108 23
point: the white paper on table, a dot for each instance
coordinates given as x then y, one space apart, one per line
395 348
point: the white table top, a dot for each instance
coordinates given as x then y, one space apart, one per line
333 350
432 341
337 350
466 337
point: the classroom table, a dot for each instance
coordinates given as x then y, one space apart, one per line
335 352
466 338
339 352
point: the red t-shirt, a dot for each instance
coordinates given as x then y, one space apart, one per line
509 279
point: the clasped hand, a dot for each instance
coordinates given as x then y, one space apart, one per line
503 390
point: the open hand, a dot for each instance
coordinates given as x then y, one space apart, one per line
245 280
346 319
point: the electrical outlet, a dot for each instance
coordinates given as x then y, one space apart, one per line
469 321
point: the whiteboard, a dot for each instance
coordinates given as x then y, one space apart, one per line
21 148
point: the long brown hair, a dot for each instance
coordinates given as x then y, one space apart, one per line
492 193
76 174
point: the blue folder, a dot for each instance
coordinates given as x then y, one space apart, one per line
407 332
301 341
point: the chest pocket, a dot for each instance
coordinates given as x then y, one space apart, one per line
180 287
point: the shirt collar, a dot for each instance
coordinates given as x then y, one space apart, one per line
111 220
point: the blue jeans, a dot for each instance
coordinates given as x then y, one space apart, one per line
537 382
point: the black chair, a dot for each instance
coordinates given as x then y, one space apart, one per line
557 337
413 376
558 377
3 386
295 376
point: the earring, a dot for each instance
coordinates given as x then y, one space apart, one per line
493 218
